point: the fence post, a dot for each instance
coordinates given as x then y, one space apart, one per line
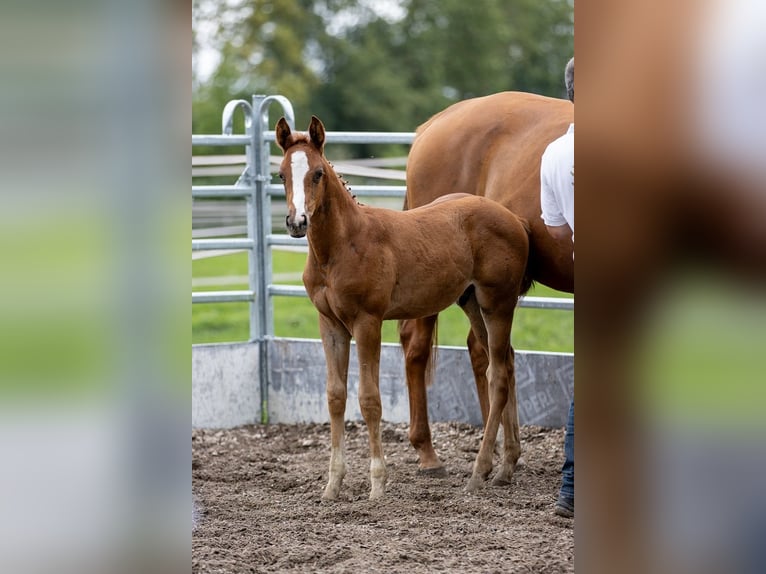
259 218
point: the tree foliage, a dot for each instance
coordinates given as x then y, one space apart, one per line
359 68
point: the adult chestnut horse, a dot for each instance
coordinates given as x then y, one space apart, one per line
366 265
489 146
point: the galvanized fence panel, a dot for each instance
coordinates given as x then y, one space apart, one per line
255 187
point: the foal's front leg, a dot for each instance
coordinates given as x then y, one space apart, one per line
336 341
367 336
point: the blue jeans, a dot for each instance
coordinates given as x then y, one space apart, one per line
567 471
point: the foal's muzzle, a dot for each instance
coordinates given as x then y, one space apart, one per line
297 227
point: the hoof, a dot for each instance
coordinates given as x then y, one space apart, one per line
436 472
330 493
474 484
502 479
377 494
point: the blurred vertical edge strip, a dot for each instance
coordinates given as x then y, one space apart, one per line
671 261
94 338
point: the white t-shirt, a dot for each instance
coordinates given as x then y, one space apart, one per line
557 181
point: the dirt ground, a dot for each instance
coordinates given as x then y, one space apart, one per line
258 509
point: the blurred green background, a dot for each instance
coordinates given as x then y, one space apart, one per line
534 329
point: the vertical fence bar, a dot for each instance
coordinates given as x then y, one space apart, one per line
255 207
257 271
262 329
249 180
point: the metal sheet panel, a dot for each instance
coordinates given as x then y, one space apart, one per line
544 384
225 385
226 390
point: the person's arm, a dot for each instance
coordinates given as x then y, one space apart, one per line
560 231
554 220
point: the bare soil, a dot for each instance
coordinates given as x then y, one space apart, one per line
258 509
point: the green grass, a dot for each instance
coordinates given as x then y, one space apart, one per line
534 329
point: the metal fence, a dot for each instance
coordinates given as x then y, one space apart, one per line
255 187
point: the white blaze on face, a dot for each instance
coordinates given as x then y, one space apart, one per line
299 165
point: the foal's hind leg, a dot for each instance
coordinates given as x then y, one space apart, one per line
416 337
477 351
478 343
498 329
336 342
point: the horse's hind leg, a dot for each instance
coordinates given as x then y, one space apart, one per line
479 364
416 336
511 437
477 351
336 342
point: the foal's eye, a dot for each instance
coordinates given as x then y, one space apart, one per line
318 175
281 176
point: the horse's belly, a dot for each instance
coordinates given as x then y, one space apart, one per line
417 303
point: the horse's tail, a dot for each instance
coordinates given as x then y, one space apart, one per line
527 281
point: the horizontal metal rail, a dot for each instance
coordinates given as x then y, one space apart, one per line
358 190
547 303
358 137
286 240
288 290
234 243
330 138
221 191
223 296
221 140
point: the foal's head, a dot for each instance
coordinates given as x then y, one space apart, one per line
302 171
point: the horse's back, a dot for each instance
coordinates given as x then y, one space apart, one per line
489 146
492 146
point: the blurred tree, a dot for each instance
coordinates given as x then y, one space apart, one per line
363 87
469 49
541 43
265 45
359 68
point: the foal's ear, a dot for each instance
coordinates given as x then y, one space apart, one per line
282 133
316 133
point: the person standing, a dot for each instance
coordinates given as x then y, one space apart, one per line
557 203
